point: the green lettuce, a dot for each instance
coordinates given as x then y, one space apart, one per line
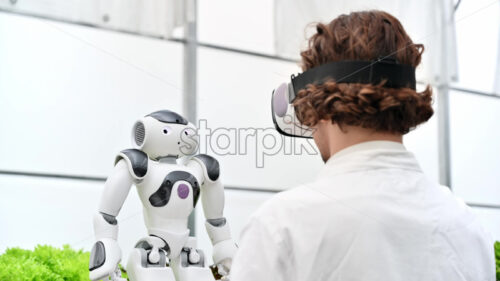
44 263
497 258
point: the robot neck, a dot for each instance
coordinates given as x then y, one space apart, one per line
168 159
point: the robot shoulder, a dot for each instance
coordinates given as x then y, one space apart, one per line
137 162
210 164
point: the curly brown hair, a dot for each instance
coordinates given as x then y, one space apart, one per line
366 35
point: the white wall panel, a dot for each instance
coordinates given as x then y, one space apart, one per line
69 95
478 29
152 17
55 212
475 147
239 24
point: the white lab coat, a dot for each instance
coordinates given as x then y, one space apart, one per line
371 215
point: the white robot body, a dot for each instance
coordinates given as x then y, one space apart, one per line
169 192
177 209
170 221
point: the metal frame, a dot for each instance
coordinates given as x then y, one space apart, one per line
191 44
189 104
444 142
103 179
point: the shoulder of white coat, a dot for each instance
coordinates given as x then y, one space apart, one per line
283 214
446 192
137 162
285 202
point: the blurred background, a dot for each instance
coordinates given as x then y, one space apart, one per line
76 74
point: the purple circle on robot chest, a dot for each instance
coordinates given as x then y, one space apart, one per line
183 191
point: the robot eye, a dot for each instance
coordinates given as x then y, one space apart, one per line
167 130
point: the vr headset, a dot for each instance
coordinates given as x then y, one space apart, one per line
366 72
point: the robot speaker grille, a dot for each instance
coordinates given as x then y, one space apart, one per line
139 133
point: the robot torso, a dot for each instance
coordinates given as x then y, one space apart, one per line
168 191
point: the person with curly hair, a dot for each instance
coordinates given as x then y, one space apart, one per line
371 214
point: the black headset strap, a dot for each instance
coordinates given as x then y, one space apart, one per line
365 72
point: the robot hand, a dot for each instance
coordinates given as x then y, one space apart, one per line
223 253
104 259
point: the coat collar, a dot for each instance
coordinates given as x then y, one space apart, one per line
370 156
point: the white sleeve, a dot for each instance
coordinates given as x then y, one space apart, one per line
263 254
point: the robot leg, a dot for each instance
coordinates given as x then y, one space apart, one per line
147 261
190 264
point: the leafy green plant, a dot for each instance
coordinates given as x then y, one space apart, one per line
44 263
497 258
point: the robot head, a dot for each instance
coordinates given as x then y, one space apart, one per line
165 133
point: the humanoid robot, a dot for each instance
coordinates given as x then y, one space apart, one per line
169 191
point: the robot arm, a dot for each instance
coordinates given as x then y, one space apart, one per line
212 197
115 192
106 253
